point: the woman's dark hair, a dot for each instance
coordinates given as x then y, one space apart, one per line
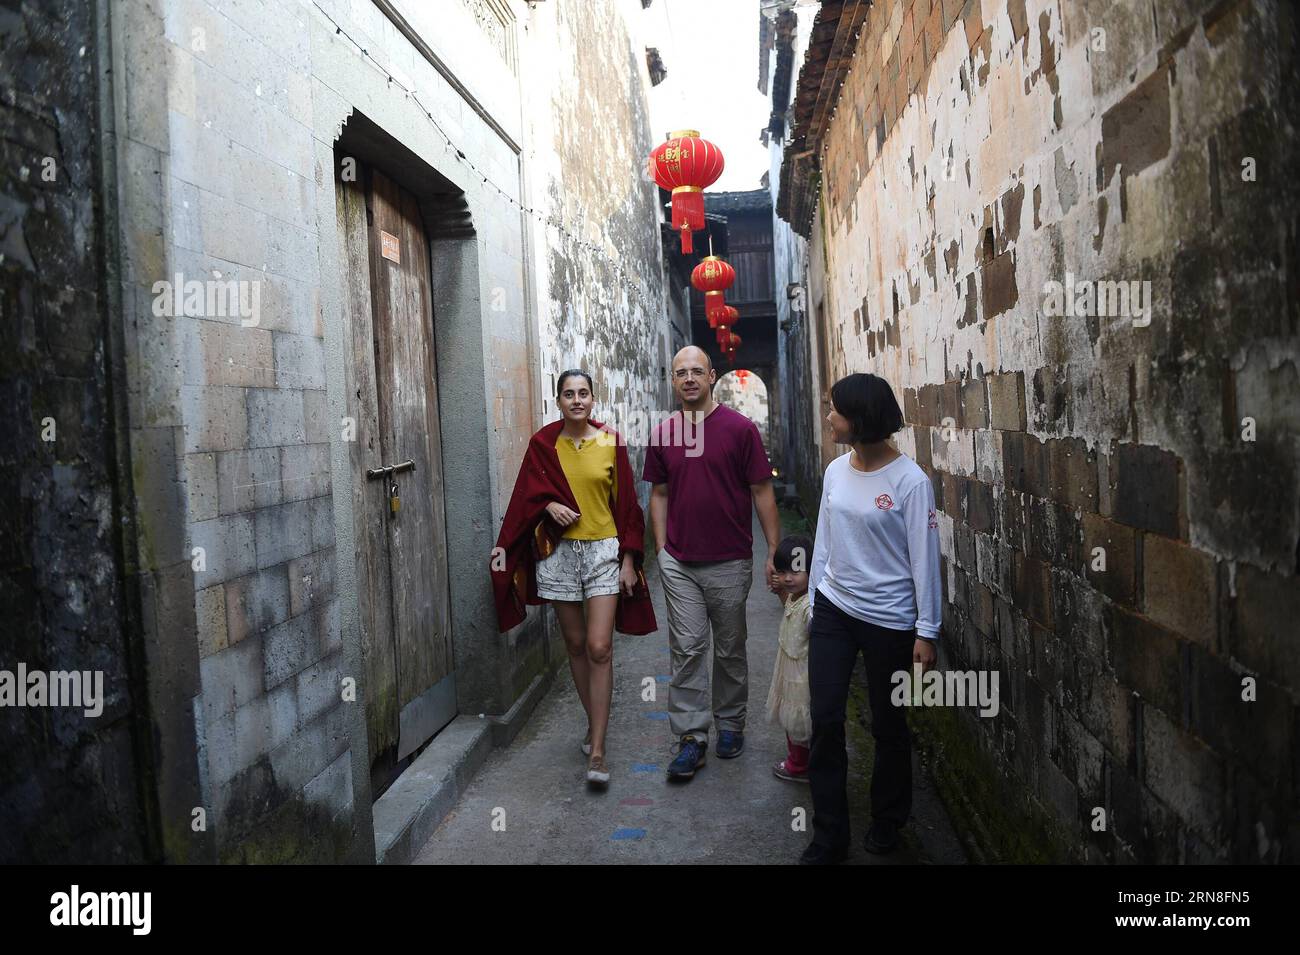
794 553
566 375
869 404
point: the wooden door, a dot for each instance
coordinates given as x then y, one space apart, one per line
402 555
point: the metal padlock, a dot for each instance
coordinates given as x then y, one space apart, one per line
394 499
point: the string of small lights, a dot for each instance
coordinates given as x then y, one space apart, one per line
459 155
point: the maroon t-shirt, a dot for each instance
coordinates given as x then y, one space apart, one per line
708 468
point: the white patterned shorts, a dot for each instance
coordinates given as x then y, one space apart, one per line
579 569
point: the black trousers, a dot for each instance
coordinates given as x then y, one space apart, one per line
834 643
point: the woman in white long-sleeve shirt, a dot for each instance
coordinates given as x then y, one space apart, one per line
875 586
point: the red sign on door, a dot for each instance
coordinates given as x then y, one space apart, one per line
389 247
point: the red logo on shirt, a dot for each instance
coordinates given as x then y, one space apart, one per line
884 502
934 518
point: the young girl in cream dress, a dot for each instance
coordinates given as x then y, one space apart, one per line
787 698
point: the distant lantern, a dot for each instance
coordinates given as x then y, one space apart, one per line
713 277
686 165
723 316
742 375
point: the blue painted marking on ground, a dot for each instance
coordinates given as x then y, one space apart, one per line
633 834
645 767
658 715
664 678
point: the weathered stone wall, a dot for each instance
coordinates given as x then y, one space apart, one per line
980 153
72 787
794 371
748 396
603 308
795 349
798 409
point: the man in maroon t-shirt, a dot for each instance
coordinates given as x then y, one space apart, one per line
707 465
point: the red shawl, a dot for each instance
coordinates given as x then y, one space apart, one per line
528 534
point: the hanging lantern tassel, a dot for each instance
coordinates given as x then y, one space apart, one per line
686 165
688 214
715 308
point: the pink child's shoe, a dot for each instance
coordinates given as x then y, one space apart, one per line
780 772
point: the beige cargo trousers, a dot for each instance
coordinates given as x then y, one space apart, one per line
700 597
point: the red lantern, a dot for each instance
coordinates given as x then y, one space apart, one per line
686 165
728 341
724 316
742 375
713 277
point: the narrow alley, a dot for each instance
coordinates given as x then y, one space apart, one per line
733 812
369 361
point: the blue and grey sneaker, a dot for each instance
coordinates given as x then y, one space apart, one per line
730 744
690 757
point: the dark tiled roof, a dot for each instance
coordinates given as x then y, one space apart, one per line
826 63
751 200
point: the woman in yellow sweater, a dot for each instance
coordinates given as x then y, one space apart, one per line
588 565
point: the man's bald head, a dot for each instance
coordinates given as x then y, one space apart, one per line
692 354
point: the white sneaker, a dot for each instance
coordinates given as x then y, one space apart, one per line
597 771
586 744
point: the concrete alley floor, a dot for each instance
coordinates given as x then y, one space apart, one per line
733 811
